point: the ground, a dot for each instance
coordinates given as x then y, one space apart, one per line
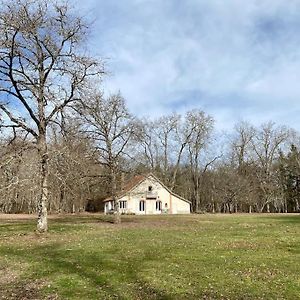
151 257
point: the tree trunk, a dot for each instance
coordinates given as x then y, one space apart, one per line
196 193
42 222
117 215
297 206
285 206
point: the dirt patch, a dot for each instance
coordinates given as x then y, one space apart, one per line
7 276
17 217
12 287
25 291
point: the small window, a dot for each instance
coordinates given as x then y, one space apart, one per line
158 205
150 188
142 205
123 204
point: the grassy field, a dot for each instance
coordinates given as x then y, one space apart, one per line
152 257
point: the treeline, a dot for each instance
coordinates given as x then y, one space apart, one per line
64 146
99 144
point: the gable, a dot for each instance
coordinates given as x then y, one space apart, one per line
143 186
139 185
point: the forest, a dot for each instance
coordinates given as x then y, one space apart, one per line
247 170
67 144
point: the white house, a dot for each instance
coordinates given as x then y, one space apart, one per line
147 195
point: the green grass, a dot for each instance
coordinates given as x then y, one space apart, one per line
152 257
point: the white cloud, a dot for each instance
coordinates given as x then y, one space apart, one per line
235 59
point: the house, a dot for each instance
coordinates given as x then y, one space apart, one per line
147 195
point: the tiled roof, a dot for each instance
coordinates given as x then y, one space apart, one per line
134 181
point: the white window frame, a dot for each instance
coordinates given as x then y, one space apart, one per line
142 206
123 204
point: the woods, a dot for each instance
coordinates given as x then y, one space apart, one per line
64 141
257 171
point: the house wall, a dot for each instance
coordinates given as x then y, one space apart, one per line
180 206
170 203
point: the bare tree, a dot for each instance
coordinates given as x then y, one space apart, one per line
165 130
17 176
42 71
267 143
108 122
202 125
148 144
241 144
164 142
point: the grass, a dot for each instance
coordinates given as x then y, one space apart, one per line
152 257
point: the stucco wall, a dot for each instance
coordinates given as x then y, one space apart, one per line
180 206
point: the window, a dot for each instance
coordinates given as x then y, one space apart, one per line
158 205
123 204
142 205
150 188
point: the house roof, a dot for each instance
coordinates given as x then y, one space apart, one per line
133 182
138 179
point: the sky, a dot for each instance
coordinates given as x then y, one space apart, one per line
235 59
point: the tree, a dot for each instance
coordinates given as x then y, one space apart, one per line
289 166
108 122
242 164
43 70
18 179
241 145
164 142
165 130
149 145
267 143
202 126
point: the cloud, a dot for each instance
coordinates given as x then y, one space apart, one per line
234 59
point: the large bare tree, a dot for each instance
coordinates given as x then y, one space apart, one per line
43 68
164 142
108 122
241 144
202 125
268 142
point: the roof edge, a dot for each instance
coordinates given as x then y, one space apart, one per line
168 189
143 179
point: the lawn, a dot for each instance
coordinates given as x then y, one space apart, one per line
151 257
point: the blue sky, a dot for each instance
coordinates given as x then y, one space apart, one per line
236 60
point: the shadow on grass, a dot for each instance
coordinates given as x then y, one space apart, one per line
16 228
103 275
78 219
291 219
93 219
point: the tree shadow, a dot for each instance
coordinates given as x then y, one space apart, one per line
52 261
291 219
